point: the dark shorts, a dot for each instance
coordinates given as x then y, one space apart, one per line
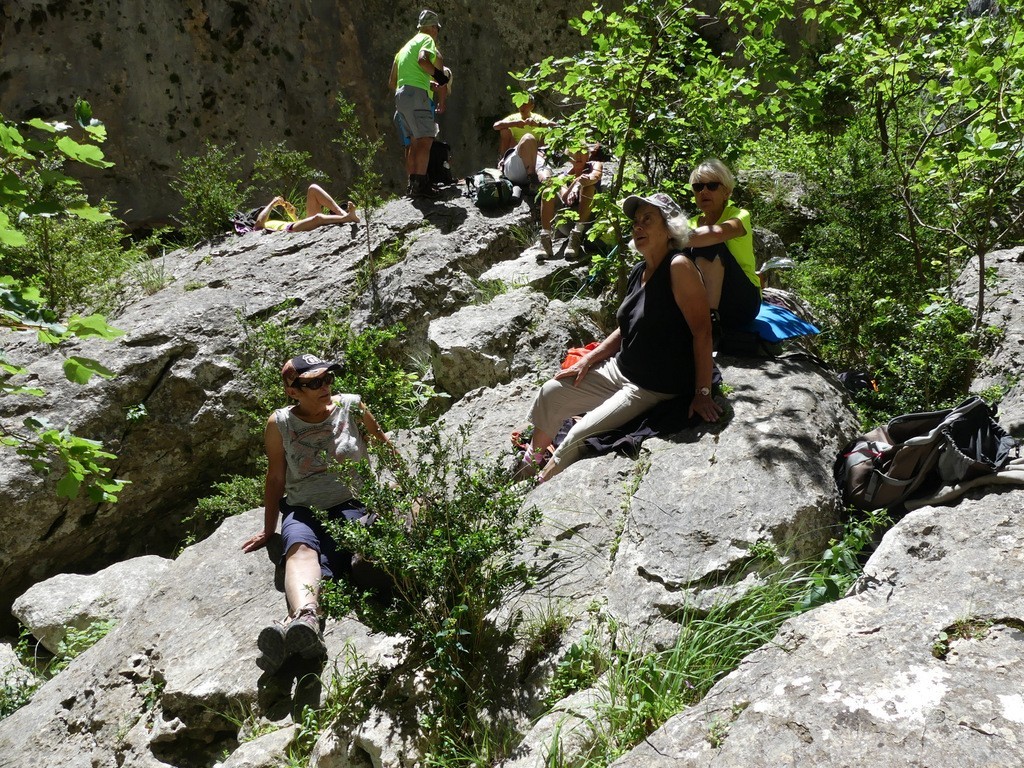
741 300
301 526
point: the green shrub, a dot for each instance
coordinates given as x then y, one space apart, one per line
370 366
278 170
450 568
212 189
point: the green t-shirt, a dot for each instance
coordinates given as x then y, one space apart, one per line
742 247
538 132
409 70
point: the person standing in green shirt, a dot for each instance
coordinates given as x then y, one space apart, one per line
419 69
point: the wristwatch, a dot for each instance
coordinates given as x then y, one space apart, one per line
706 391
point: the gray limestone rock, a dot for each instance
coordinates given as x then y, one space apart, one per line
178 372
922 667
48 609
515 334
177 676
1003 310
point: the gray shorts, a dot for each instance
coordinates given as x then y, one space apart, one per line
414 107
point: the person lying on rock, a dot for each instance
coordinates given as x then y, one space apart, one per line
661 349
317 200
304 443
722 246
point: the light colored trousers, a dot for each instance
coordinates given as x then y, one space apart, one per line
605 395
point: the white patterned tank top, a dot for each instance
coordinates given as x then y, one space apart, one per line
312 452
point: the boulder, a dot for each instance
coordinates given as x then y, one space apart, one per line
512 335
1004 369
176 681
923 666
52 607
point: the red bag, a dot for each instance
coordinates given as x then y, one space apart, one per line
576 354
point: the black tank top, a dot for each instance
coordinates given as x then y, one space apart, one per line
657 344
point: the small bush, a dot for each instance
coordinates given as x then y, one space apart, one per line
211 186
450 568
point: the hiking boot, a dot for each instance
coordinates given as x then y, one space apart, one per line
304 637
575 244
545 244
421 187
271 642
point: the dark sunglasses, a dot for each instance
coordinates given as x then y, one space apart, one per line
316 383
712 185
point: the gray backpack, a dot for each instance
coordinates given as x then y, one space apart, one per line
918 453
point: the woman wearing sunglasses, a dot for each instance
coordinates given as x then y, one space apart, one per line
305 442
722 246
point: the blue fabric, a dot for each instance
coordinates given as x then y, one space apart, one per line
775 324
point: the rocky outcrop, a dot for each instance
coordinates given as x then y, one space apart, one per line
167 76
175 681
925 654
177 372
1004 313
923 666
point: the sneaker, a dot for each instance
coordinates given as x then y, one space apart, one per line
545 244
303 637
271 642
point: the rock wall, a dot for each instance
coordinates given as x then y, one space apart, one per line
165 76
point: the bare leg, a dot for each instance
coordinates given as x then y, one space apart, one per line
713 273
324 219
505 142
527 151
586 201
420 151
301 578
317 199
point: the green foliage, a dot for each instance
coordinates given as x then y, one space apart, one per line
50 236
364 189
232 496
842 562
16 690
369 366
82 461
350 691
450 568
287 172
638 691
211 186
927 361
78 641
214 186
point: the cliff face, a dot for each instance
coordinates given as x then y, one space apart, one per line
166 76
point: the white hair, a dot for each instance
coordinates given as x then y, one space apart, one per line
714 169
678 231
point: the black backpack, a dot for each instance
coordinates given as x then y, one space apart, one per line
916 454
439 169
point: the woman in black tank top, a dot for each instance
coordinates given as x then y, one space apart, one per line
661 349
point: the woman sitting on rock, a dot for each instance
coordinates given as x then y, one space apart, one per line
316 200
722 246
577 189
661 349
304 443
